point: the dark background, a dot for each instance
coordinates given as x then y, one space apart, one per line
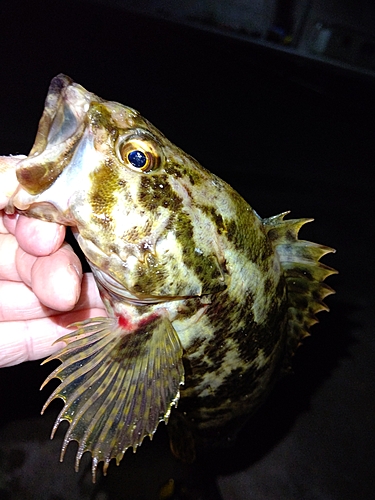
288 134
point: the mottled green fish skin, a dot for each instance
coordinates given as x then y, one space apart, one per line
177 241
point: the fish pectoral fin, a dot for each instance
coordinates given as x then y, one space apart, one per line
117 386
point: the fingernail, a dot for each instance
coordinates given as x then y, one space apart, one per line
75 271
57 240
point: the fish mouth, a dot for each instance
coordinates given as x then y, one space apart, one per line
60 129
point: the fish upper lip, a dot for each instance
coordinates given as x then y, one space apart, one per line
65 108
60 129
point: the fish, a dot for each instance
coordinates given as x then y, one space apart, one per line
207 302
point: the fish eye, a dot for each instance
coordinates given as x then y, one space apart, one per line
138 153
137 158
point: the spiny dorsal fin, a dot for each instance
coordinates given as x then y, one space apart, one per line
116 388
304 275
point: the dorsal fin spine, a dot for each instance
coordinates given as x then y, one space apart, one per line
304 276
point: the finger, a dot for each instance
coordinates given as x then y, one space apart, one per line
8 251
35 236
8 223
24 263
29 340
3 229
56 279
19 303
8 179
39 237
90 297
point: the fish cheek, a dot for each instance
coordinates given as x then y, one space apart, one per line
155 191
104 183
206 267
165 274
151 277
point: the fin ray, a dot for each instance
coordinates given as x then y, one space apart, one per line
116 386
304 276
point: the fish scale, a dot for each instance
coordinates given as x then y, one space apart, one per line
207 302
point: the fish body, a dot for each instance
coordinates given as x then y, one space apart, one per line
206 301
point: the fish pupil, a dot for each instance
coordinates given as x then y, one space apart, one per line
137 158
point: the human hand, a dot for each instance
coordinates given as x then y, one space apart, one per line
42 289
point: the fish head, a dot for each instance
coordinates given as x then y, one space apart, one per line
136 202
